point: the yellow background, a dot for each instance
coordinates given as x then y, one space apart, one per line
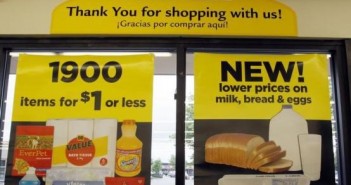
247 25
34 80
208 76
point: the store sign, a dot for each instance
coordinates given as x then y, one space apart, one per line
83 86
239 85
262 114
181 17
75 118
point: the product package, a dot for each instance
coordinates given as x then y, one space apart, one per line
84 143
30 178
125 180
33 148
128 151
264 180
64 175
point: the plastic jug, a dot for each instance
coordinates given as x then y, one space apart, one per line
284 129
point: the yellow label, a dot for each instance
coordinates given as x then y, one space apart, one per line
101 146
128 160
242 86
50 87
177 17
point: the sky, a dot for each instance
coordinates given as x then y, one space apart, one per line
164 116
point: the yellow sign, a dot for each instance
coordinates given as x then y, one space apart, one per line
58 87
241 86
177 17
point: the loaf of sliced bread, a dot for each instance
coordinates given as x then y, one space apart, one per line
231 148
246 151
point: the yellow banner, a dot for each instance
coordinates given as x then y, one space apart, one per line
59 87
243 86
178 17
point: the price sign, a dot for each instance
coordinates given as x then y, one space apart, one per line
83 86
70 71
85 97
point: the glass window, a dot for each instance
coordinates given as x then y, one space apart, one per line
204 171
163 113
165 154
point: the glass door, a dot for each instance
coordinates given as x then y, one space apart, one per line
206 97
158 162
248 99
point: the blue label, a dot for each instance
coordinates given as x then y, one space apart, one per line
29 182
